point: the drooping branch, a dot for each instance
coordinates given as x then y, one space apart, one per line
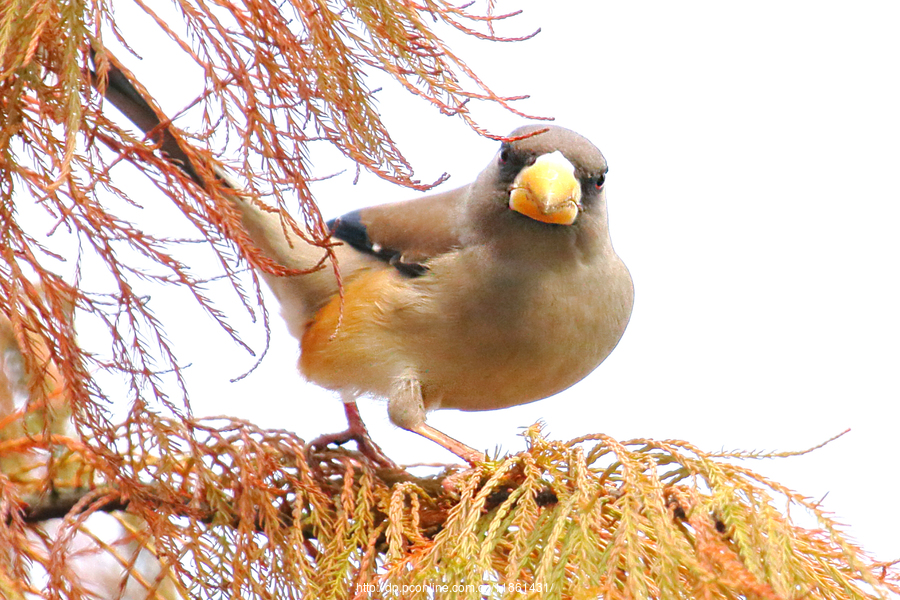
277 79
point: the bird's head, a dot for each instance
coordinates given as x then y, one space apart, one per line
552 174
543 179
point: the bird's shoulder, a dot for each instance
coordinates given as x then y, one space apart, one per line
406 234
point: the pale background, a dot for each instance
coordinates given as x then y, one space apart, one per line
754 153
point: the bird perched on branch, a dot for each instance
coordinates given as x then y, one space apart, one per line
498 293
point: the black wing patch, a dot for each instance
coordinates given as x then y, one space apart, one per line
350 229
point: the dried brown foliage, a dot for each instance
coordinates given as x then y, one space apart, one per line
279 77
214 509
229 510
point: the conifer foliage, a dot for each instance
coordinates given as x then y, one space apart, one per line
150 502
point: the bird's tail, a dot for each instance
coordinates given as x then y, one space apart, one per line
297 265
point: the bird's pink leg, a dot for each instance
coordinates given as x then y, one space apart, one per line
357 432
467 453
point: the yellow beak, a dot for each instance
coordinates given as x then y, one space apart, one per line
547 191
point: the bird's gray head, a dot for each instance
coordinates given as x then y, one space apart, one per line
546 181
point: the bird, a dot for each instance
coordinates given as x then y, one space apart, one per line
494 294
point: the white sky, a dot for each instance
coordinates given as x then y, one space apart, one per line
754 151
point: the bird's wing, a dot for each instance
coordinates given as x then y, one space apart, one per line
407 233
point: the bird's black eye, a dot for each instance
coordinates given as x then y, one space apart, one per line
504 155
599 180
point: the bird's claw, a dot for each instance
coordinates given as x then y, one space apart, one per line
356 431
364 444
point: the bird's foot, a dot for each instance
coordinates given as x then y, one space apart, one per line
356 431
364 443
